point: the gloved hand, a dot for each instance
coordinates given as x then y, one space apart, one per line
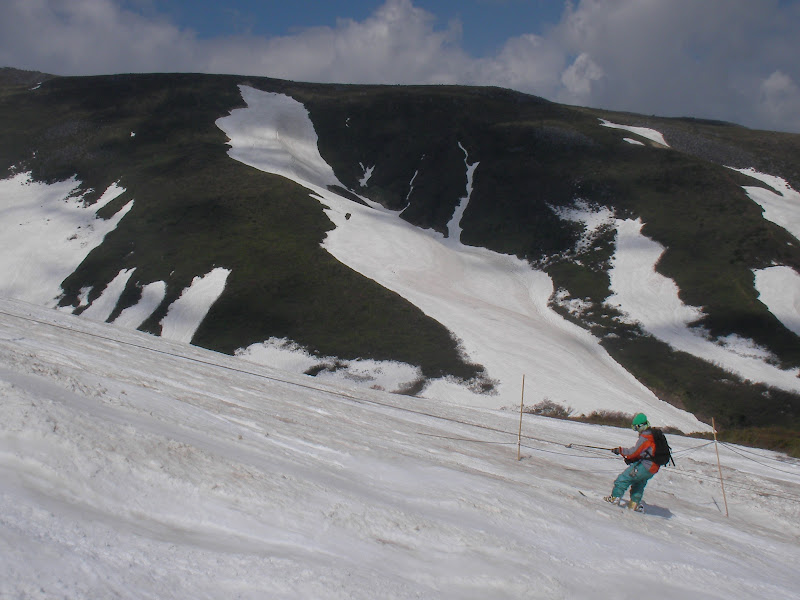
615 450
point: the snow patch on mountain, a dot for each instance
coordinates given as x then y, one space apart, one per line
781 204
779 288
454 225
102 307
650 134
46 231
152 296
652 300
187 312
593 218
367 174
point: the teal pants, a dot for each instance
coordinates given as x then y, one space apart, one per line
635 477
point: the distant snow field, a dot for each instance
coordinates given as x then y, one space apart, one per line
649 134
781 204
779 289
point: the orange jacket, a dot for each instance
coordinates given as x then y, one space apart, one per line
643 451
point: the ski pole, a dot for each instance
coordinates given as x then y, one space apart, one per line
585 446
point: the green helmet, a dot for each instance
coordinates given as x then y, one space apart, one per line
640 422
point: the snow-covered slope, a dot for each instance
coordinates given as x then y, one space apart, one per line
136 467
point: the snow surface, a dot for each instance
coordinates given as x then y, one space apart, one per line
152 296
779 289
781 206
136 467
142 467
367 174
496 305
650 134
102 307
187 312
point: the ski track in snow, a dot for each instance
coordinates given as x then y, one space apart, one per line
132 466
495 304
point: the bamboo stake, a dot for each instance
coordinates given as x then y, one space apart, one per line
519 436
719 466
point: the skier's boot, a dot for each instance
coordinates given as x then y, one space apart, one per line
637 506
612 499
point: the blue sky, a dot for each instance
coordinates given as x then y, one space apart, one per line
486 24
733 60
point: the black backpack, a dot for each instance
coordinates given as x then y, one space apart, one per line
662 454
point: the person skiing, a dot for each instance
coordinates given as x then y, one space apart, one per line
641 467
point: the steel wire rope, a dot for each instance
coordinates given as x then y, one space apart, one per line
459 439
688 450
744 449
728 483
562 453
732 449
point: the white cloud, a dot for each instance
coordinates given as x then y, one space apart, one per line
579 78
683 57
397 44
726 59
779 100
80 37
